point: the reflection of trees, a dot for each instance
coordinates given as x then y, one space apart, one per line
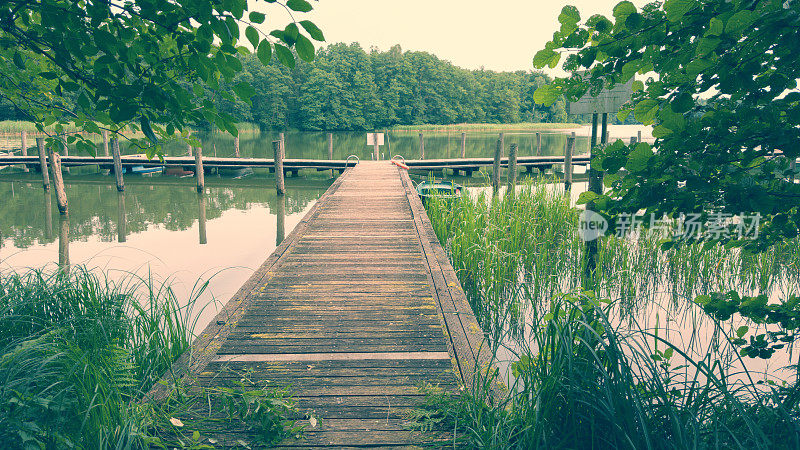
314 145
94 205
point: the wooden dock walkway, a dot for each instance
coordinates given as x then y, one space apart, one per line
355 310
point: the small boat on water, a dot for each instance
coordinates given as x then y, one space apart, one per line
439 188
142 170
178 172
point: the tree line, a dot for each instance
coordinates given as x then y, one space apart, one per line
348 88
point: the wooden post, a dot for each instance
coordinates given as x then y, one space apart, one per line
117 164
58 181
596 186
283 146
421 146
201 218
280 220
496 168
64 152
277 149
512 170
48 215
105 142
43 164
122 220
375 147
63 245
607 133
633 140
236 147
502 144
199 174
570 148
639 136
463 145
330 150
538 144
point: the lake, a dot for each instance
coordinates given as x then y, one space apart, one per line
161 226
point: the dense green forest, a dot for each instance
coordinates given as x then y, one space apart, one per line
348 88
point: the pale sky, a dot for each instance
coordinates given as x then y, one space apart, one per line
497 34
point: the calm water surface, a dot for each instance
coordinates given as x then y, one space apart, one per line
161 226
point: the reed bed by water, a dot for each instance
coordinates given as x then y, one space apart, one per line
79 352
634 363
499 127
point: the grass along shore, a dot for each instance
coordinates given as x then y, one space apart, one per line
78 352
634 363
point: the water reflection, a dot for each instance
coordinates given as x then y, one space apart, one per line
280 220
63 243
147 203
122 221
48 215
201 215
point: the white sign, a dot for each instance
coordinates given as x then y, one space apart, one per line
371 138
607 101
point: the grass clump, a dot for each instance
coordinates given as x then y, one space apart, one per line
78 353
633 363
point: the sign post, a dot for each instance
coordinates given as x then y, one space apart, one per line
375 140
607 101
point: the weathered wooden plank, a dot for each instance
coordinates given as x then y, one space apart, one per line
353 314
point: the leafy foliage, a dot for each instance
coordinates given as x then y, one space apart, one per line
723 103
142 64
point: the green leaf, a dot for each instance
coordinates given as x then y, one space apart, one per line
264 52
257 17
298 5
676 9
715 27
546 94
18 60
244 91
740 21
698 66
284 55
661 131
586 197
637 86
623 10
569 15
305 49
637 159
742 330
312 30
148 130
707 45
645 111
545 57
252 36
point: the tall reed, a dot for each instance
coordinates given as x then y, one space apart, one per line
643 369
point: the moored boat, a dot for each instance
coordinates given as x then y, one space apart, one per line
439 188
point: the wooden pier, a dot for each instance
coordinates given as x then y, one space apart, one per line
355 310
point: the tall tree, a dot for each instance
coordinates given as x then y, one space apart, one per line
123 60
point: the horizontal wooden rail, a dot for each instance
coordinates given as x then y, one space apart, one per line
184 161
